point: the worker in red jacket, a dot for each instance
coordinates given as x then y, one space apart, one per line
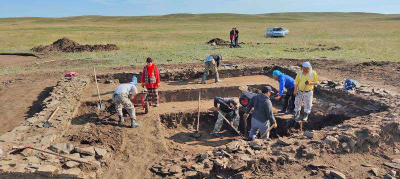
151 80
232 37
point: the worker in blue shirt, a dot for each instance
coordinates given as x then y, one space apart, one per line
287 82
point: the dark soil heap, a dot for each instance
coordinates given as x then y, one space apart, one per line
217 41
69 46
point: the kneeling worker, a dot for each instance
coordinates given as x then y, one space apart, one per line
262 115
228 107
122 99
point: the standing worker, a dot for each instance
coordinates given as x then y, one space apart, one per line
236 37
228 107
151 80
210 65
304 86
122 99
262 116
232 37
287 82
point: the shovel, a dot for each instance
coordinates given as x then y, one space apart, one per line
100 105
196 134
22 148
47 124
266 132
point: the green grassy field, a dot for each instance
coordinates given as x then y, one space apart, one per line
182 38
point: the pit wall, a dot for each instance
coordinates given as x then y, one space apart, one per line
65 95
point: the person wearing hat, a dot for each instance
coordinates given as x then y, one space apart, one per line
262 116
287 82
122 99
210 65
304 86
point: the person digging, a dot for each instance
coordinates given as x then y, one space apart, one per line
287 82
122 99
262 116
210 65
228 108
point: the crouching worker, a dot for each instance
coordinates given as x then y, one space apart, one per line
210 64
122 99
262 116
228 107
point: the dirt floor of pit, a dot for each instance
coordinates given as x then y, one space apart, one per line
381 75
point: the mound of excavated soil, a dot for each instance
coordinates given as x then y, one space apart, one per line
217 41
69 46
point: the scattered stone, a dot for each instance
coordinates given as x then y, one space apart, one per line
71 164
85 151
100 152
393 165
337 174
245 158
308 134
47 169
366 165
397 160
250 151
345 147
32 160
284 142
232 147
256 144
331 141
238 166
8 137
73 172
175 169
191 173
48 139
374 171
62 148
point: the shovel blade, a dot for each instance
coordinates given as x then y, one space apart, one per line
101 106
46 124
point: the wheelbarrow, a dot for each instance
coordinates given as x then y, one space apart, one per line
140 102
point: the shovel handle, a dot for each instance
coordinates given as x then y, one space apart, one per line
266 132
226 120
52 114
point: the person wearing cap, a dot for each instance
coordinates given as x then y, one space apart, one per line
287 82
304 86
151 80
122 99
262 116
210 65
228 108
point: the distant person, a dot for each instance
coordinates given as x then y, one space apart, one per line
236 37
232 37
304 86
210 65
151 80
287 82
228 108
122 99
262 116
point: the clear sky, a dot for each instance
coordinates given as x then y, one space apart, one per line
63 8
